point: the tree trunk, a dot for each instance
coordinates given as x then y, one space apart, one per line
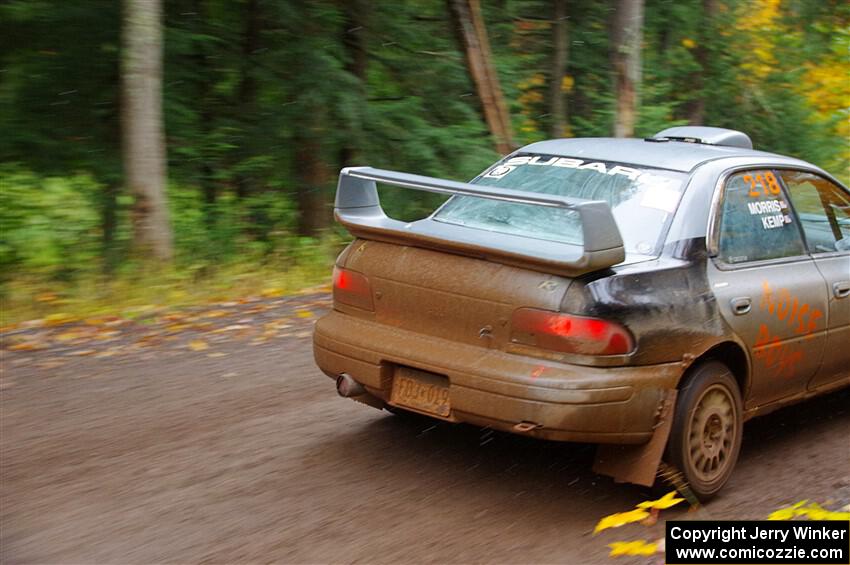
696 108
469 24
143 137
354 41
626 36
311 178
203 102
247 93
560 45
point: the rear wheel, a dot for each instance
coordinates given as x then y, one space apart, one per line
707 427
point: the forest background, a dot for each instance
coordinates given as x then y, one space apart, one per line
168 153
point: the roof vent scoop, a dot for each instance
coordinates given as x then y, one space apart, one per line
706 136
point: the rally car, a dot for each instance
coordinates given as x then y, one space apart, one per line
648 293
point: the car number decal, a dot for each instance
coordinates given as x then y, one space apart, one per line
773 211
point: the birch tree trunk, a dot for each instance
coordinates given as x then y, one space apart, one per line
626 36
142 134
557 101
469 24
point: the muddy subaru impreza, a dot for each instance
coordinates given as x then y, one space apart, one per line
648 295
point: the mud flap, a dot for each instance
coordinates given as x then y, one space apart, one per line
639 464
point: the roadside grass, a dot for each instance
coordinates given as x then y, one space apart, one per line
139 290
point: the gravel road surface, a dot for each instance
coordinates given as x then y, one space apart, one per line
211 436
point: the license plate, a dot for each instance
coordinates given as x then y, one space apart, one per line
422 391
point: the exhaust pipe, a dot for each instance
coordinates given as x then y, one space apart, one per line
348 387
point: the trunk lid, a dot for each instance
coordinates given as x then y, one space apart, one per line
456 297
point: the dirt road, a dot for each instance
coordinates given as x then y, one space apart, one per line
213 437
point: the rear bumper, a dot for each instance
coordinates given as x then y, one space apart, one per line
489 387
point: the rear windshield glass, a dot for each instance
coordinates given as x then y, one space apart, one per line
642 200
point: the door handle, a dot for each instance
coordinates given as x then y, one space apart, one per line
741 305
841 289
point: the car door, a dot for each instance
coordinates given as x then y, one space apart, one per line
823 209
768 288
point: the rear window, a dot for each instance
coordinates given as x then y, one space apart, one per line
642 200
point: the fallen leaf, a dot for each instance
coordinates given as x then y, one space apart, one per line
812 511
653 517
198 345
663 503
104 335
148 340
58 319
304 313
621 519
786 513
637 547
27 346
273 292
174 317
69 336
215 314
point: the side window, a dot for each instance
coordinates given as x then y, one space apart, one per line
756 222
823 209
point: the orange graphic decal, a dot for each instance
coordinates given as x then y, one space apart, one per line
788 308
782 358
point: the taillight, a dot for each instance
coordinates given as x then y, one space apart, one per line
352 288
569 334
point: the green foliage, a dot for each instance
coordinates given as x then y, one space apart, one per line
48 225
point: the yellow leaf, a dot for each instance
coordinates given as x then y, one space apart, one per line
786 513
58 319
26 346
68 336
689 43
811 511
215 313
638 547
198 345
273 292
815 511
667 501
304 314
621 519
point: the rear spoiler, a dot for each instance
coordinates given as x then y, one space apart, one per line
358 208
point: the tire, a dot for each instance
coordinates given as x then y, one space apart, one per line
707 429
